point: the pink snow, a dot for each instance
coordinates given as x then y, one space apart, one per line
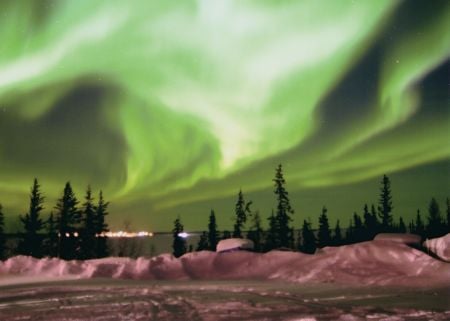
378 262
439 246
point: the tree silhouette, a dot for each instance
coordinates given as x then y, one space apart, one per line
435 226
385 205
213 234
272 241
370 222
308 238
68 220
337 236
418 225
226 235
256 232
401 226
51 240
241 210
2 235
101 211
31 244
324 234
448 215
283 211
203 242
88 228
359 234
179 243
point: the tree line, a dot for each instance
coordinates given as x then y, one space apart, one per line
72 231
282 235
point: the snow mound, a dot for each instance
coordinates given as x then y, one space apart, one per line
439 246
411 239
234 244
375 263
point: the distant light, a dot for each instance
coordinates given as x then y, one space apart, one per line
67 234
75 234
183 235
121 234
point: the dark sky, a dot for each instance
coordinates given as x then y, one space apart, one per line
171 108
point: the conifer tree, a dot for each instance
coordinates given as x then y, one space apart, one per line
401 226
337 237
283 211
226 235
272 241
419 226
51 240
179 243
448 215
308 238
31 244
88 228
435 226
370 222
324 234
358 228
241 210
350 233
203 242
101 211
385 205
213 234
2 235
68 220
256 232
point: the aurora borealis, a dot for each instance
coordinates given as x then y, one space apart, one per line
171 106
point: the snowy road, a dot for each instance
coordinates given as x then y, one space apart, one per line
106 299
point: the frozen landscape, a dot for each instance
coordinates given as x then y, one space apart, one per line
376 280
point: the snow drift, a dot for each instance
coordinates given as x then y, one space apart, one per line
374 262
439 246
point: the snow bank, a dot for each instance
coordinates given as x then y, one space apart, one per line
234 244
439 246
374 262
411 239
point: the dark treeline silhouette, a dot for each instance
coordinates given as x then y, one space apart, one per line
71 232
378 218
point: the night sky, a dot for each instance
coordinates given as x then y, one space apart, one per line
171 107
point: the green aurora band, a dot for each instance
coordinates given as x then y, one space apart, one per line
171 107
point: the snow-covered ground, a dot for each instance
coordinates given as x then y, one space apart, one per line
377 280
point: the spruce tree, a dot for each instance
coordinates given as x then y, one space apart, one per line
226 235
370 222
337 236
68 220
101 227
2 235
401 226
435 226
448 215
308 238
31 244
241 210
350 233
324 234
271 240
283 211
203 242
179 243
51 239
256 232
419 225
88 228
358 228
213 234
385 205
